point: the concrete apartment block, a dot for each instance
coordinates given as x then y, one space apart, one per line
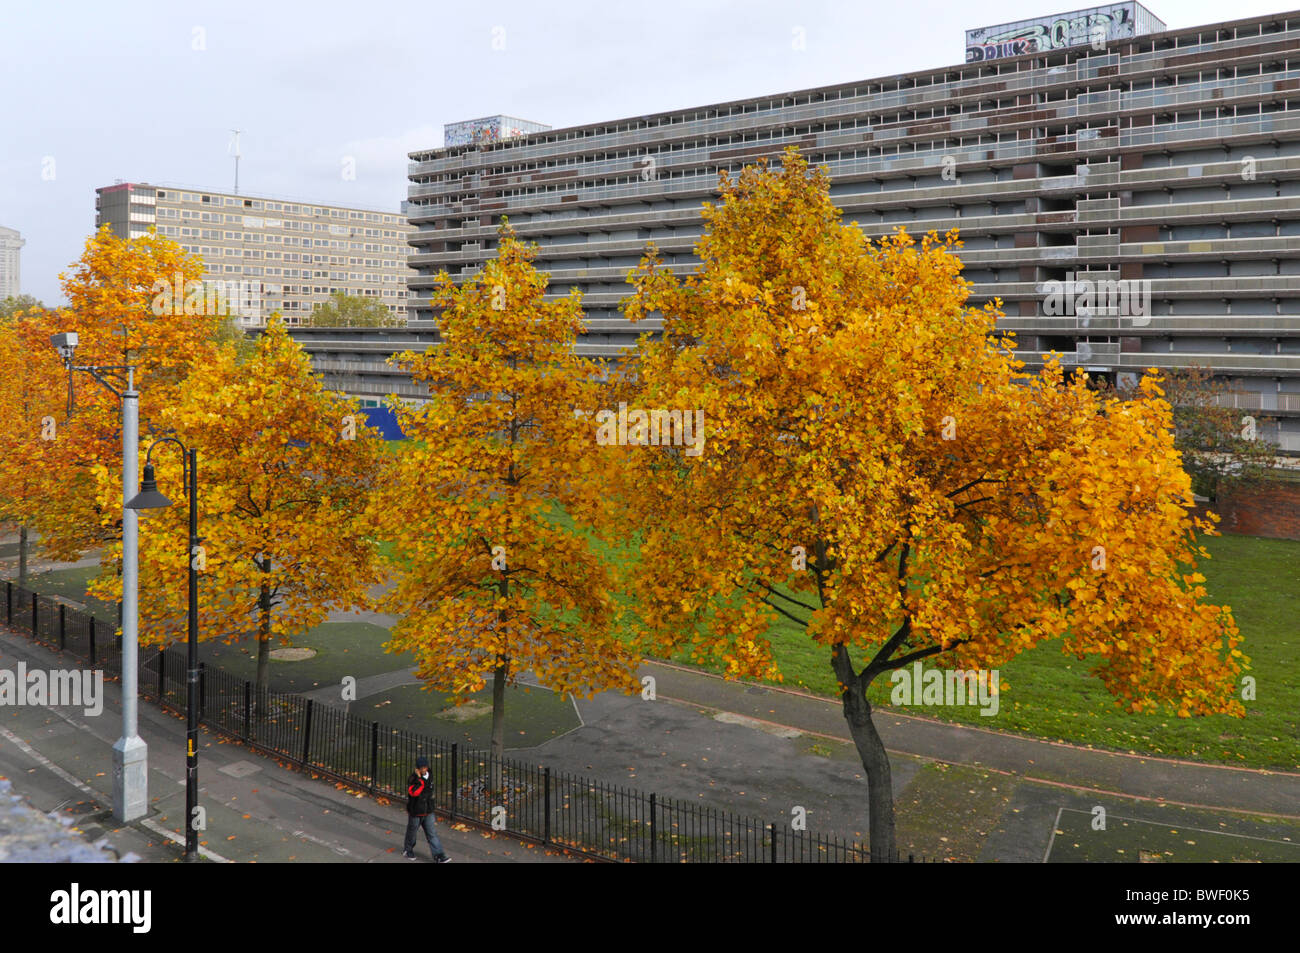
272 254
11 244
1093 149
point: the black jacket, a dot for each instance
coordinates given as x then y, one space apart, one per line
419 795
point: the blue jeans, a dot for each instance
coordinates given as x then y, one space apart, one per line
413 824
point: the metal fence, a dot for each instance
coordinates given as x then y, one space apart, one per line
553 808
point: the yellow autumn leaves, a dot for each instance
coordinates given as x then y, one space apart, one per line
856 410
949 498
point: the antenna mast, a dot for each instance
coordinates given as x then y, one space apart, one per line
235 144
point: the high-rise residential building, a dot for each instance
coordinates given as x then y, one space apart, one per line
270 254
11 244
1130 193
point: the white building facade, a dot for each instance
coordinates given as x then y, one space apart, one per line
11 244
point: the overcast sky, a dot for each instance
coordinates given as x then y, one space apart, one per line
144 91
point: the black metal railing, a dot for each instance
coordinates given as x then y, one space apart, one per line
532 802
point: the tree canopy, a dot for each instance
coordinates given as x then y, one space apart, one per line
285 471
351 311
15 305
490 579
874 471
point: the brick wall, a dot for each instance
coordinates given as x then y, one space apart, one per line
1267 509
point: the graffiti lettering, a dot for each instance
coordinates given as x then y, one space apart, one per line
1048 33
994 51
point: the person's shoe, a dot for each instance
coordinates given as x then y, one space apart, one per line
444 859
408 855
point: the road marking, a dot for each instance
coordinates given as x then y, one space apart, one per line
1180 827
731 718
176 838
1051 840
324 843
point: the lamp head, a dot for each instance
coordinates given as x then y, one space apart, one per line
65 344
148 498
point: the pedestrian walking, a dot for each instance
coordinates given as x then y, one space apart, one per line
419 811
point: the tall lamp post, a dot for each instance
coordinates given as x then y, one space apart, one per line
130 753
150 499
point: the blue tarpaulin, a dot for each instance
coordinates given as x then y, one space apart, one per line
385 421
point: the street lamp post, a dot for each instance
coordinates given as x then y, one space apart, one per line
130 753
148 499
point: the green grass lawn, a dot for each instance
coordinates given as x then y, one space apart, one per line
947 810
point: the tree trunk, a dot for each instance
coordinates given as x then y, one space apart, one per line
880 790
498 750
22 556
875 760
263 648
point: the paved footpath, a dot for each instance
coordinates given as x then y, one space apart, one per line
60 761
1109 772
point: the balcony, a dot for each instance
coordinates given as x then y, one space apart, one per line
1222 325
1284 403
1253 365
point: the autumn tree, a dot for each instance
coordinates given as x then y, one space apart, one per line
231 332
343 310
15 305
285 472
490 580
33 392
127 304
1222 446
879 471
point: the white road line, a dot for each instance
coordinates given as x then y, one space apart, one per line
1052 840
176 838
50 765
87 789
1182 827
324 843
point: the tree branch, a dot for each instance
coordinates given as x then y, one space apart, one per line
775 592
920 654
793 618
